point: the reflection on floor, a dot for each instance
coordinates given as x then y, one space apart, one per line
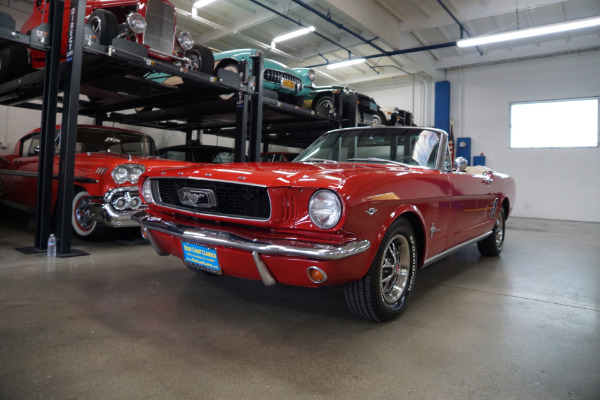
125 323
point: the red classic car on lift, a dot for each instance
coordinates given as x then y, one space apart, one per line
149 22
365 207
108 164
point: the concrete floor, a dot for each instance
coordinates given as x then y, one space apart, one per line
124 323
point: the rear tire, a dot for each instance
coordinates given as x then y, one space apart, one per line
232 67
379 119
383 292
324 106
13 62
105 26
492 245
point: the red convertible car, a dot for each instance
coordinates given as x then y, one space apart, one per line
364 207
108 164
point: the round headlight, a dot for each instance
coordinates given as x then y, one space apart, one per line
325 209
136 22
134 174
312 74
134 202
185 40
120 203
120 174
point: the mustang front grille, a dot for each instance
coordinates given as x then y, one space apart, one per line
227 199
160 29
275 76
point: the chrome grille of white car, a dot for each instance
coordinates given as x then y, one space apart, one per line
160 30
275 76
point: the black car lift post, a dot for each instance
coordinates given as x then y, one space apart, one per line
43 217
241 119
68 134
257 108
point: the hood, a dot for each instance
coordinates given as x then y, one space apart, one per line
90 162
284 174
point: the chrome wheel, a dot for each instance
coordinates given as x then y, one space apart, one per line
499 231
492 245
395 269
83 221
96 25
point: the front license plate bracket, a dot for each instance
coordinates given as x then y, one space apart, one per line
201 257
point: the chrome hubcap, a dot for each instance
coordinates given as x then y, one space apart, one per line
83 216
499 231
395 269
95 24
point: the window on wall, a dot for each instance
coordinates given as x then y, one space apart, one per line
558 123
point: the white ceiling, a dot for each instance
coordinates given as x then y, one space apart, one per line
387 26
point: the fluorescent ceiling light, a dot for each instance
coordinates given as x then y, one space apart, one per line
346 63
202 3
530 32
294 34
291 35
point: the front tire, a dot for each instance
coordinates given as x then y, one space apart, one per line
84 225
105 26
201 59
382 294
492 245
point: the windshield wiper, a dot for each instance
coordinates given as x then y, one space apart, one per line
378 160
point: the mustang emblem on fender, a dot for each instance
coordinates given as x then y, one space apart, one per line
199 198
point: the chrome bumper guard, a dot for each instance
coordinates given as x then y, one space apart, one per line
281 247
103 212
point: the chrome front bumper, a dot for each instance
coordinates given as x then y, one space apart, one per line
280 247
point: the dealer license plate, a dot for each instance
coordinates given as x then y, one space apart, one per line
201 257
288 84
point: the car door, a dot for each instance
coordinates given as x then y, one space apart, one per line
472 206
21 175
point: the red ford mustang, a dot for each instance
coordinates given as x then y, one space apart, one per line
363 207
108 164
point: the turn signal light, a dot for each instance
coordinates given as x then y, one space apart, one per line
316 274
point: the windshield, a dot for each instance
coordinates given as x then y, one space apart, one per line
93 140
411 146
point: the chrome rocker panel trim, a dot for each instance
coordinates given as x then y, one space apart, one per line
279 247
455 248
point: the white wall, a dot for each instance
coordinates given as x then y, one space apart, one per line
551 183
16 122
411 94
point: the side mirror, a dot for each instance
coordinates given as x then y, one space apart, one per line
461 163
36 151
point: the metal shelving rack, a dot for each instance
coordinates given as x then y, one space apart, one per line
115 77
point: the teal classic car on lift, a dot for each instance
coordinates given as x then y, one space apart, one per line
291 85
